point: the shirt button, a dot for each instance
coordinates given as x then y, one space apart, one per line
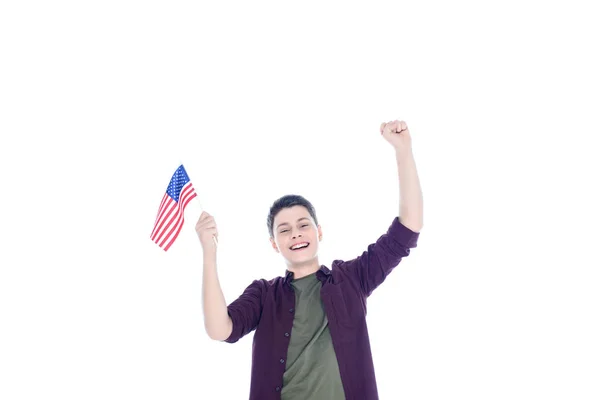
287 334
291 310
277 389
282 360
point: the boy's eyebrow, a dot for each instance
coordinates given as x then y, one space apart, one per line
286 223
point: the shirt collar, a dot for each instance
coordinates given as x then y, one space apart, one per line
322 274
289 275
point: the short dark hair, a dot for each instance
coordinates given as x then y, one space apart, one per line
288 201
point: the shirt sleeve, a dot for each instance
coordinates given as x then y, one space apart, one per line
245 311
372 267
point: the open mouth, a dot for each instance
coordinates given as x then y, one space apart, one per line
300 246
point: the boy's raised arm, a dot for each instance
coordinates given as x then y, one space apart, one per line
411 197
373 266
227 323
217 322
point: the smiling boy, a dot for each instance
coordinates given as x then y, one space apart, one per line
311 339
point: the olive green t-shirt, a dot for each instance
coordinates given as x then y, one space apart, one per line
311 370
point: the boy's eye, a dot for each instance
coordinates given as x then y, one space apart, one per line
302 226
283 231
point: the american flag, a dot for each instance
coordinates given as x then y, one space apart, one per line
170 213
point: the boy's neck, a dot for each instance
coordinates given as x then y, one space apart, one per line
302 270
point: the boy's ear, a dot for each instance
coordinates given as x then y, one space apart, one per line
320 232
274 244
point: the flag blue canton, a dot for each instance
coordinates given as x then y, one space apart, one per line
178 181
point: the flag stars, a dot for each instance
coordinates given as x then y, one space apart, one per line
178 181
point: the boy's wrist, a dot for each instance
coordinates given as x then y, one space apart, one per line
209 252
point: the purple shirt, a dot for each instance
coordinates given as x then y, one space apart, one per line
268 307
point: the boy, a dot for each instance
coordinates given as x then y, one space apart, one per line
311 339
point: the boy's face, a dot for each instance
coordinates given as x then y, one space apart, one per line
296 236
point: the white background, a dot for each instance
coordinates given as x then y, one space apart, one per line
100 101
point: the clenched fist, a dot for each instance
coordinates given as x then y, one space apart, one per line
396 132
206 228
